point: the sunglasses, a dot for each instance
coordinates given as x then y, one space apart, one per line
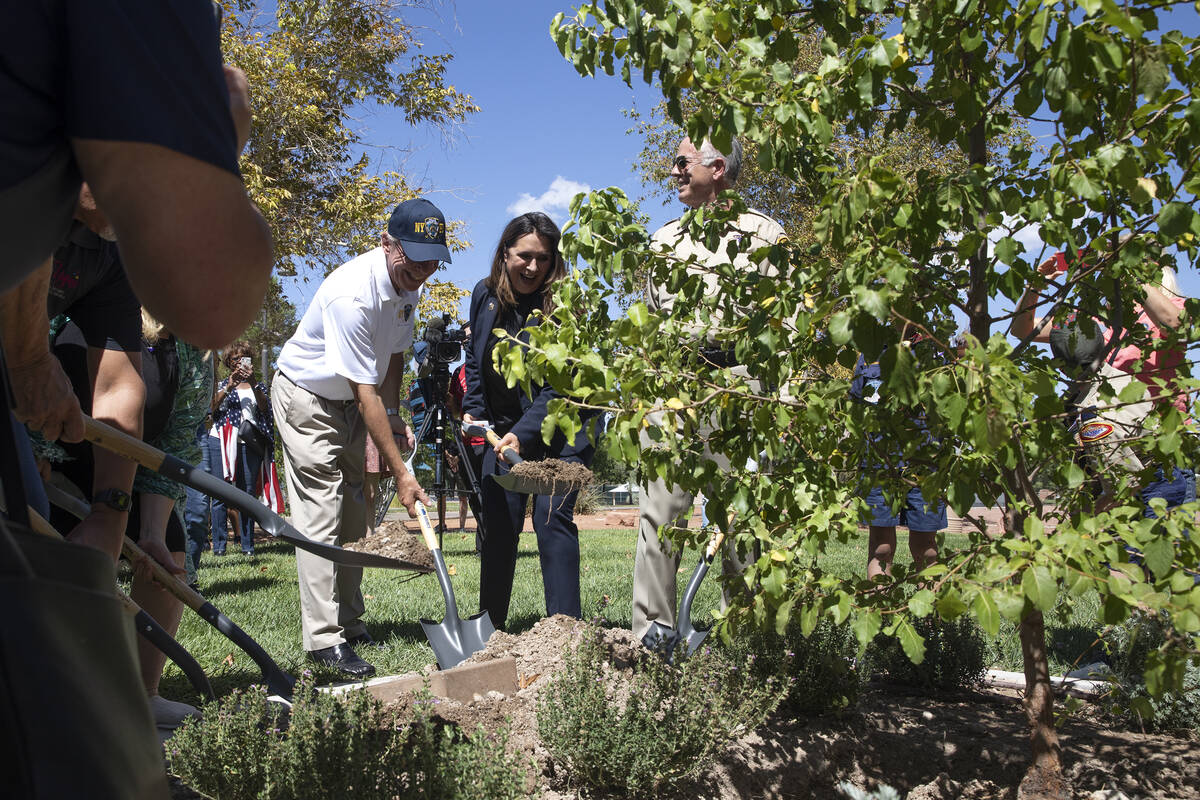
681 163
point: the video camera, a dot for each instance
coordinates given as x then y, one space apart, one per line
445 342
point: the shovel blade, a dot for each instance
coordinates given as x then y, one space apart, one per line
455 640
519 485
663 640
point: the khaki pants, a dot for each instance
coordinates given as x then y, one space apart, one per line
323 445
656 563
1109 438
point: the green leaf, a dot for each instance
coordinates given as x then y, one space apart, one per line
986 612
1160 554
839 328
1039 587
1007 249
639 315
783 615
1011 605
866 626
921 603
1175 219
911 642
951 605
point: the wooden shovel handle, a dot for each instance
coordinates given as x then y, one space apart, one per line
426 528
122 444
190 597
41 525
714 544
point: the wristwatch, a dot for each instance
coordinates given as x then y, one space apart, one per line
114 499
393 412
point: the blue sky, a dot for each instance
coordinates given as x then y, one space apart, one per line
543 134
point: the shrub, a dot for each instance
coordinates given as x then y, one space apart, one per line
1132 646
637 732
954 656
590 499
817 671
336 747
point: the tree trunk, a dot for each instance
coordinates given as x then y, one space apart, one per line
1044 779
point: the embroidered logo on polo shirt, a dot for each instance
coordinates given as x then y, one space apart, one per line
1093 432
405 312
430 227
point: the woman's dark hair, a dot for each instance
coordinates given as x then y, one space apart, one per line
497 280
239 349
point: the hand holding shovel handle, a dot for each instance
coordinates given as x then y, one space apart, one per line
274 525
508 453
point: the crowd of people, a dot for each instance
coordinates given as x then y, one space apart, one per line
115 217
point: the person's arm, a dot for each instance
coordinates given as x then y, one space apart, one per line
152 535
472 406
118 398
42 392
1024 321
187 230
1164 311
374 413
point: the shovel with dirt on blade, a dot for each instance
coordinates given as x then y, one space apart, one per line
664 639
271 523
551 476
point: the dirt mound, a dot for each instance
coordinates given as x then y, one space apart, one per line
394 540
970 746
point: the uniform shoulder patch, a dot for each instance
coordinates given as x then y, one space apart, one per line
1095 431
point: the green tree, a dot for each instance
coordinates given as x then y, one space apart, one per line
313 64
895 253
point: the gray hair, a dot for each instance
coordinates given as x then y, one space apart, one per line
733 161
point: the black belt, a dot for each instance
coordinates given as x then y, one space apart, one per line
719 356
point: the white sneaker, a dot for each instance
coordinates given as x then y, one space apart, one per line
168 714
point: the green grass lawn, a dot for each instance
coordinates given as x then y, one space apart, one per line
259 594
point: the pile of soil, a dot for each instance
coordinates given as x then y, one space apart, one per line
395 540
969 746
553 475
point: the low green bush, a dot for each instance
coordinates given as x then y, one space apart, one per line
639 731
1131 647
817 672
954 656
335 747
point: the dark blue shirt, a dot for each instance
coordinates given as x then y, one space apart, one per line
115 70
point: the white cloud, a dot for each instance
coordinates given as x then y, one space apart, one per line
554 201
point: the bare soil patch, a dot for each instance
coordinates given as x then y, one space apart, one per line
969 746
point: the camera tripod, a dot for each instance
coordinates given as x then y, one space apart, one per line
437 429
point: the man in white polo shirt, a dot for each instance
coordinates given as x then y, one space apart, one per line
338 379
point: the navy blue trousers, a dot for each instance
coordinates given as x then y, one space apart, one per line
558 545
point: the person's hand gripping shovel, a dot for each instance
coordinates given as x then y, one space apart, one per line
549 477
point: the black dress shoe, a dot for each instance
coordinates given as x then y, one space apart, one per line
342 658
364 639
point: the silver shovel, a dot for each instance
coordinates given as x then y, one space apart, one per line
453 640
663 639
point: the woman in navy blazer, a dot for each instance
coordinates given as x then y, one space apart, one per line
525 266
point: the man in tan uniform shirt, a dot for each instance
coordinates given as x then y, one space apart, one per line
700 175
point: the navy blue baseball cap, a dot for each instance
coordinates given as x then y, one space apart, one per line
421 228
